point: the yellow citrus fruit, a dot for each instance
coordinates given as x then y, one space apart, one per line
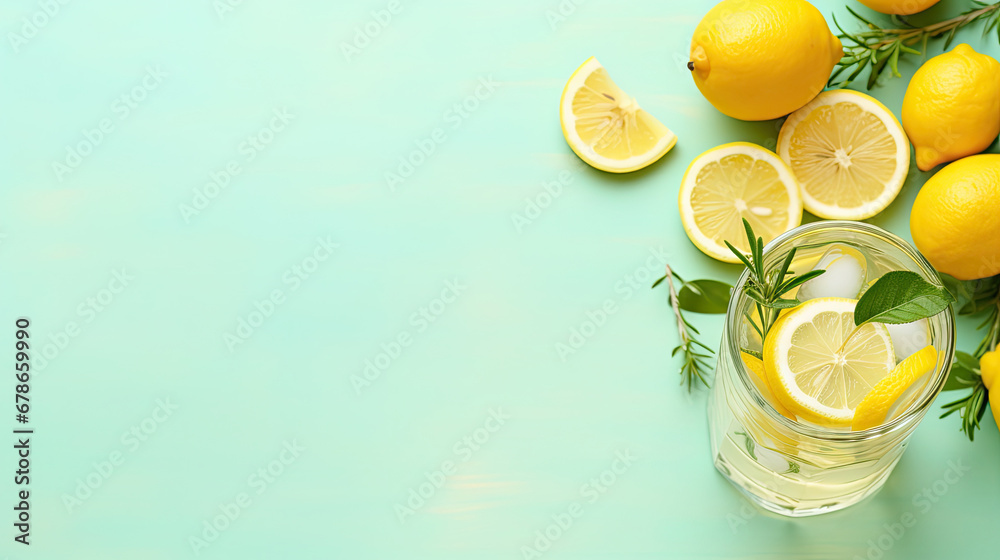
899 7
808 371
848 152
759 378
762 59
955 220
989 369
874 407
606 127
952 106
731 182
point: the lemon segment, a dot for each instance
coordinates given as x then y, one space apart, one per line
759 378
810 375
729 183
872 410
848 152
605 126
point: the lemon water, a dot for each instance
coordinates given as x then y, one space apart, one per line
794 467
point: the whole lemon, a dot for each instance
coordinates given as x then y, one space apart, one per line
762 59
952 106
955 221
899 7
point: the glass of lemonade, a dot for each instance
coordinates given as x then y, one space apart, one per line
798 468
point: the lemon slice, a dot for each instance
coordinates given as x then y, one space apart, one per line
873 408
807 372
848 152
606 127
735 181
759 379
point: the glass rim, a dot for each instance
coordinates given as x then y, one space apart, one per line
901 421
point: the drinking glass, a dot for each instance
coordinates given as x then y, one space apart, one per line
792 467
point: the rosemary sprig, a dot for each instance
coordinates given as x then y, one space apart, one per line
767 287
972 408
694 367
984 295
880 47
992 326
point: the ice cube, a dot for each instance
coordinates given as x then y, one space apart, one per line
909 337
844 277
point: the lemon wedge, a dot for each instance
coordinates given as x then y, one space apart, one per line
606 127
848 152
873 408
809 373
729 183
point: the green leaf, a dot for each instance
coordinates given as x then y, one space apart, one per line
845 34
699 343
704 296
799 280
964 372
951 37
781 303
959 289
981 294
967 360
659 280
858 70
756 250
859 16
749 444
783 271
754 295
877 69
986 322
894 61
739 254
759 260
900 297
751 322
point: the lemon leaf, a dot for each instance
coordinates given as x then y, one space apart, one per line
704 296
901 297
963 372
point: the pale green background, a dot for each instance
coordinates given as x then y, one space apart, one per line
494 347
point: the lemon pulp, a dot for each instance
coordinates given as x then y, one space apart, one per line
810 373
848 152
733 182
606 127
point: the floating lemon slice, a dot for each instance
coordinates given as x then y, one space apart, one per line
729 183
606 127
809 373
874 407
848 152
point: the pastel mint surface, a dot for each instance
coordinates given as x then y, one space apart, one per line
333 264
